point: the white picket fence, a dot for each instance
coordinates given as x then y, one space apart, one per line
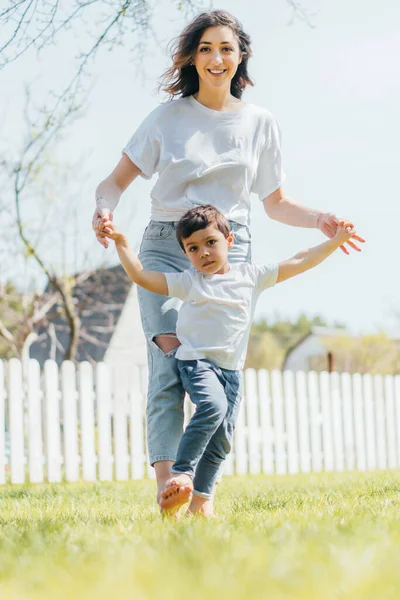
85 423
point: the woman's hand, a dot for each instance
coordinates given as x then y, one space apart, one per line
328 223
98 224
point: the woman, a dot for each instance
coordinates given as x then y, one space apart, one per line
208 147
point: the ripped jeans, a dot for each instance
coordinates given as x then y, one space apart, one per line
160 251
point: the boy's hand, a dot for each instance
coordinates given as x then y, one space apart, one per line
344 232
328 223
110 231
97 223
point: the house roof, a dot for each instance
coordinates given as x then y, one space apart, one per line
99 299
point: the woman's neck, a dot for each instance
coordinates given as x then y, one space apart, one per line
221 100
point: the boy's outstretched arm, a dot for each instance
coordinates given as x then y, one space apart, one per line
153 281
307 259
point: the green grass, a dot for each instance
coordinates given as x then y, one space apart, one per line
305 537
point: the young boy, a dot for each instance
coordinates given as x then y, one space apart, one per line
213 329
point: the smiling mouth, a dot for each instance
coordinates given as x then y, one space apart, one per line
216 73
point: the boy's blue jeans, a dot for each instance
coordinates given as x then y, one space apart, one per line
206 442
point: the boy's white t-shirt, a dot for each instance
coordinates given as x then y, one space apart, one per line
204 156
215 318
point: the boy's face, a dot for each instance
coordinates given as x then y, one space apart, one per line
207 250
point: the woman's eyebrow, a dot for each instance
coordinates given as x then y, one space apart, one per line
210 43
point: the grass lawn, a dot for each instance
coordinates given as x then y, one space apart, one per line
305 537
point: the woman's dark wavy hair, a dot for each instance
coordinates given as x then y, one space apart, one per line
181 79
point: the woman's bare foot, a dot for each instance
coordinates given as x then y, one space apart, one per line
203 507
177 492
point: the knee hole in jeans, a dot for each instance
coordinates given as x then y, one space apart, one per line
166 342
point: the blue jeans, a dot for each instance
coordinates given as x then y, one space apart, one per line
160 251
207 439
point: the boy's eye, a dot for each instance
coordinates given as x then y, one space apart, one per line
192 248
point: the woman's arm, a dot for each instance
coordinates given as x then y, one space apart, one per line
108 193
286 211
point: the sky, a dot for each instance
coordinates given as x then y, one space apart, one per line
333 84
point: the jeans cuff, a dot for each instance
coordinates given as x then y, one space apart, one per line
160 458
202 494
189 474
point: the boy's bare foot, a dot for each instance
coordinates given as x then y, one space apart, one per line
177 492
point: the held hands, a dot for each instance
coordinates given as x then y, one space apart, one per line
110 231
329 224
98 218
344 232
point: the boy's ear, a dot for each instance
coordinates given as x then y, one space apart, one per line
230 239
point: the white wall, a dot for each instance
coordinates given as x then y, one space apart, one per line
298 359
128 344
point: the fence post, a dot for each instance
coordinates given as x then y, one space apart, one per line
16 413
337 421
359 428
397 411
52 420
2 426
136 428
326 421
348 429
315 422
369 422
103 404
390 422
86 397
240 446
253 429
279 423
35 433
291 422
120 392
70 420
304 422
266 425
380 422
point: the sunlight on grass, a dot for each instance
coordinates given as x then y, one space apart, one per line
306 537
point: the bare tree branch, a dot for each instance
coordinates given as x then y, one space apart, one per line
22 173
89 297
122 17
300 13
6 333
39 23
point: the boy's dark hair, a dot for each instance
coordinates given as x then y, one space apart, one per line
198 218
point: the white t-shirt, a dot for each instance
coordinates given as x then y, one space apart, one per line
215 318
204 156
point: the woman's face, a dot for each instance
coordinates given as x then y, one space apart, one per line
217 57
